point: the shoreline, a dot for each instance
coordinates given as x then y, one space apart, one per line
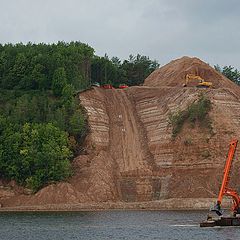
173 204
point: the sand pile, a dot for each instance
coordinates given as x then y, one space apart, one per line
173 74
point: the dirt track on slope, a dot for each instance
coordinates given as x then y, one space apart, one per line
126 138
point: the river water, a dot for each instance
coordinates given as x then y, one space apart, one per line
111 225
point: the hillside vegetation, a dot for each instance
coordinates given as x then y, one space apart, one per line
197 112
42 124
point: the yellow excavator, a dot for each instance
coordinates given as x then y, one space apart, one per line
201 82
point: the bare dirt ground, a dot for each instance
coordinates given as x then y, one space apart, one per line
131 159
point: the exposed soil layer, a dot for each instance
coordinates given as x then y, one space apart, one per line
131 156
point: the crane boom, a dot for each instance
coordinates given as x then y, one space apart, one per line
225 190
227 169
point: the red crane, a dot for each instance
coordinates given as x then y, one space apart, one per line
225 190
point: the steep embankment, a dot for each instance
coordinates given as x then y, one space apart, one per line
151 165
131 156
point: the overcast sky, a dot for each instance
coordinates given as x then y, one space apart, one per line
161 29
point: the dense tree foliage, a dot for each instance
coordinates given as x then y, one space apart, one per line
137 68
51 66
42 124
132 71
35 133
35 66
33 154
230 72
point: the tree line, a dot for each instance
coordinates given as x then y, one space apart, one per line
35 66
131 71
50 66
230 72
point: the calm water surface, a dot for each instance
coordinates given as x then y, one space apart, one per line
134 225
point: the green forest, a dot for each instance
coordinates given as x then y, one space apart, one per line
42 124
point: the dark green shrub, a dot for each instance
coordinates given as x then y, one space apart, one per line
35 154
196 112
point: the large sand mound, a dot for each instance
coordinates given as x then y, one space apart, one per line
173 74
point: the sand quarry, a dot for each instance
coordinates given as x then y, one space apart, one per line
131 160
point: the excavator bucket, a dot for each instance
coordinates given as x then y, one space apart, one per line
217 209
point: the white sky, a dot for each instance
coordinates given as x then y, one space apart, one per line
161 29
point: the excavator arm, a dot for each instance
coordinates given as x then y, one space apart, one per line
236 201
225 190
190 77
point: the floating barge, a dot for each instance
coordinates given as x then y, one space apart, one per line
222 221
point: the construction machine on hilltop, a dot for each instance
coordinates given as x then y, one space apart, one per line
108 86
225 190
122 86
201 82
